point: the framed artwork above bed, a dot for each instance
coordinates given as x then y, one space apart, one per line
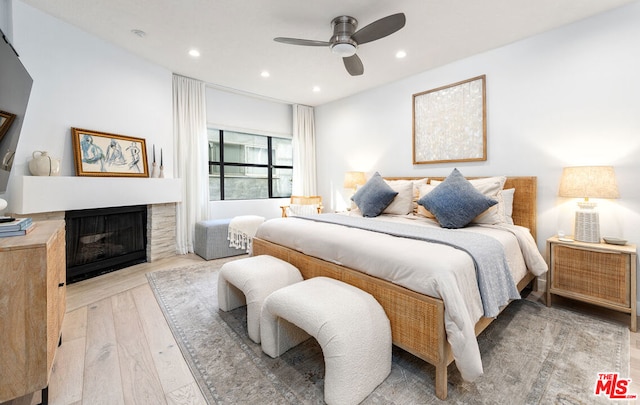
449 123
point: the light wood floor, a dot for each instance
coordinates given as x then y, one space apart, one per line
117 347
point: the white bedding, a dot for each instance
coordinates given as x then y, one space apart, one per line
432 269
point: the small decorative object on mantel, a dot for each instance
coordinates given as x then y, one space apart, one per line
109 155
449 123
161 175
44 165
3 205
154 170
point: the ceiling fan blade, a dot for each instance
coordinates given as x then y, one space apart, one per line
305 42
379 28
354 65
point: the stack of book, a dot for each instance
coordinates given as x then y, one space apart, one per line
21 226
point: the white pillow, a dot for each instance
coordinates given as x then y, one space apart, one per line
493 215
424 189
507 196
402 203
416 189
501 212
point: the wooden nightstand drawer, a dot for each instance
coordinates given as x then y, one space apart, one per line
600 275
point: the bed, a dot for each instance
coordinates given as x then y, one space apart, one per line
417 319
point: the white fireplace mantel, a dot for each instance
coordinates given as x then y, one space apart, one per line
36 194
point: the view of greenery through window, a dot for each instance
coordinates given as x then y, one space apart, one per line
247 166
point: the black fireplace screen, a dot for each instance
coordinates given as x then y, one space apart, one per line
104 239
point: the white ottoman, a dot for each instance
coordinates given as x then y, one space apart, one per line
249 281
348 323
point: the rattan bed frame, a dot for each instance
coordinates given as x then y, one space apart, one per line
417 320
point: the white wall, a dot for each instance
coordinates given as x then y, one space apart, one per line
5 19
82 81
563 98
244 113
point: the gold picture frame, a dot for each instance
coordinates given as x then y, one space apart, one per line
449 123
6 119
108 155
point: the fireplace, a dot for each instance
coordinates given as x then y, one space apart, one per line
104 239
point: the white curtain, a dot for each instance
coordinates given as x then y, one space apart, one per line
304 151
190 145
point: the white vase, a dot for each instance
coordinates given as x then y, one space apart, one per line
44 165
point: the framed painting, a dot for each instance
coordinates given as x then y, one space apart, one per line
6 118
449 123
109 155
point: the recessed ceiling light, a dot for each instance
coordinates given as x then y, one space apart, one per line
316 89
194 52
264 73
401 54
138 33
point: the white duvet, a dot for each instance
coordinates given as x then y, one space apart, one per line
432 269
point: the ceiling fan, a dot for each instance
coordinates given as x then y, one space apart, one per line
345 39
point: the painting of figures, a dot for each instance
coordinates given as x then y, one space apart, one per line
104 154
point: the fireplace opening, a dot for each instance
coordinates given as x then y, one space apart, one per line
104 239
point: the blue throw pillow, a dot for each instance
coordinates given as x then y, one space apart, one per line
455 202
374 196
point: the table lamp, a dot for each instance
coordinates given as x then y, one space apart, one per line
588 182
354 179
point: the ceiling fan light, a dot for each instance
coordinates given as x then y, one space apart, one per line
343 50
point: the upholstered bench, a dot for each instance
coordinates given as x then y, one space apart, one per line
211 240
249 281
348 323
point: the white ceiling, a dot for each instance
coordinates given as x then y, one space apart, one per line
235 37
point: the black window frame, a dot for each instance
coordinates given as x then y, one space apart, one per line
270 166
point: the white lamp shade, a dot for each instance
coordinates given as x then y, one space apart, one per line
354 179
588 182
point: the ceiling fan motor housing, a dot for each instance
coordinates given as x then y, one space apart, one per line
341 43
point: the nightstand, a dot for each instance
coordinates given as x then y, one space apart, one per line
596 273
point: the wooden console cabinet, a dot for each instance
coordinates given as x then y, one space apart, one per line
32 306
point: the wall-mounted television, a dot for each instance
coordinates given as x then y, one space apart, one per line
15 89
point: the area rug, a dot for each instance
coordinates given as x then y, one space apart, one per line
531 354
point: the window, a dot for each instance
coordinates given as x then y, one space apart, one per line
247 166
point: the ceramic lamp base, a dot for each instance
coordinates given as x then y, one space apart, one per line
587 226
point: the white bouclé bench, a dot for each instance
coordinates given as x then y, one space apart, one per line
348 323
249 281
